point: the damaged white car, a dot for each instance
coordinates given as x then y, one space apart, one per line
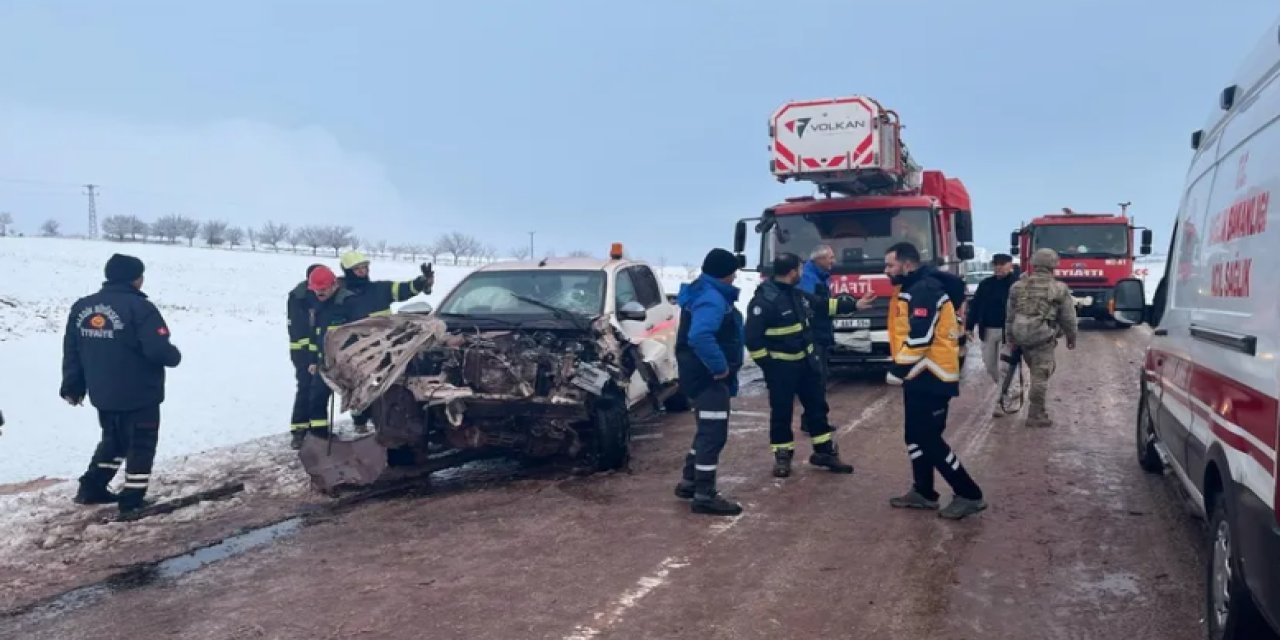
534 359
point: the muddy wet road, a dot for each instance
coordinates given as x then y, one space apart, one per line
1078 543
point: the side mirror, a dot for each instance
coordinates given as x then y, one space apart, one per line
742 261
964 226
632 311
964 252
1130 301
416 307
1146 242
740 237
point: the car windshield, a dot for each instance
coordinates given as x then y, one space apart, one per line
494 293
859 238
1084 240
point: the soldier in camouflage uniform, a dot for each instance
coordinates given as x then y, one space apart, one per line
1040 311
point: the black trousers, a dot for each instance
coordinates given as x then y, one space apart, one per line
128 438
926 419
788 381
711 409
823 353
318 403
301 417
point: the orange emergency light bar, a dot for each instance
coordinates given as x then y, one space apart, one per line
615 251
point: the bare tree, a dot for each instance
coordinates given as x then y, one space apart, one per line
6 219
309 236
214 232
579 253
413 250
252 234
519 253
380 247
273 234
167 228
50 228
435 249
116 227
188 228
235 236
488 252
138 228
458 244
336 237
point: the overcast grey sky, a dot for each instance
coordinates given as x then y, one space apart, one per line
588 121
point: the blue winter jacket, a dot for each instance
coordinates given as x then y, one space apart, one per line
710 329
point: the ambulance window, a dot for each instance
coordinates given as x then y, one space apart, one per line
647 289
625 289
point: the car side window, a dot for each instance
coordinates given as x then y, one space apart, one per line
648 292
625 289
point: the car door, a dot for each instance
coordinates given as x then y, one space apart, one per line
1171 355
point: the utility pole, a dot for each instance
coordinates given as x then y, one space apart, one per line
91 191
531 256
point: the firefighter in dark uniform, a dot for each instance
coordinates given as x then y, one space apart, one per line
115 351
708 356
302 352
815 281
331 311
780 339
374 297
924 338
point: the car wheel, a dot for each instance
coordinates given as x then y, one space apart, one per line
612 435
1230 610
677 402
1148 457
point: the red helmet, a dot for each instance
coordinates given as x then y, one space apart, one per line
321 278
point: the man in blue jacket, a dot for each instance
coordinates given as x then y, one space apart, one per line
815 281
115 349
709 353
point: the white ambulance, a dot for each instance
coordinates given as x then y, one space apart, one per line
1211 379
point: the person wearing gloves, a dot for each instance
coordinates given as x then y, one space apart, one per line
815 280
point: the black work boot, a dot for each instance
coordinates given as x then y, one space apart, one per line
714 504
89 494
295 441
685 490
830 460
133 505
782 462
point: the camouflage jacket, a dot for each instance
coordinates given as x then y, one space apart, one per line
1040 309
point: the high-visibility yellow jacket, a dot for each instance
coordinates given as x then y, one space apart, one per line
924 335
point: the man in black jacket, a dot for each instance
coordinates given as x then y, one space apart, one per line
986 315
115 351
365 297
300 310
779 338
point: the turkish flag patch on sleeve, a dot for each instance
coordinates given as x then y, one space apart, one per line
920 312
164 331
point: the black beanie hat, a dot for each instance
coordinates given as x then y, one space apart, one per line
719 264
122 268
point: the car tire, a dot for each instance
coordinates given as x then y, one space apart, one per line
1148 457
611 436
677 402
1230 612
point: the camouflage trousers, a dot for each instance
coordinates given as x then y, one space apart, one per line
1040 361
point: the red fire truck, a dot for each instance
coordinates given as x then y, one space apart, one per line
1095 252
873 195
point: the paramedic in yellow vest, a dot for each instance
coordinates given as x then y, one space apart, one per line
924 335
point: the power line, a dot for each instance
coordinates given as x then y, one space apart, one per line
93 209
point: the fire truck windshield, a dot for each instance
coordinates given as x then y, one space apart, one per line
859 238
1083 240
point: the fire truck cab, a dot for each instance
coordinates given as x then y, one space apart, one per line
873 196
1095 251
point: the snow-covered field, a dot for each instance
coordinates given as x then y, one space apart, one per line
226 310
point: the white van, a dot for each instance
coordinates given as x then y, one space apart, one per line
1211 380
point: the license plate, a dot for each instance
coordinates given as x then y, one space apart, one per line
853 323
